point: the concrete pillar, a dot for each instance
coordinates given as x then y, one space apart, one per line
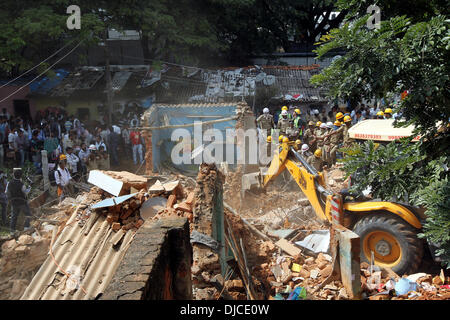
45 169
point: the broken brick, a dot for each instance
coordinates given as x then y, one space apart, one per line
190 198
126 214
116 226
171 201
184 207
139 223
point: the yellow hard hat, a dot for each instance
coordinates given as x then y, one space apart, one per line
318 123
269 139
347 119
339 115
285 139
280 138
337 123
284 108
297 111
298 141
388 110
318 153
62 157
380 113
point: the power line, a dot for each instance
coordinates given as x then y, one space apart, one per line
43 71
26 72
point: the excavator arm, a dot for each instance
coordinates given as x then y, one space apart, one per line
308 179
326 205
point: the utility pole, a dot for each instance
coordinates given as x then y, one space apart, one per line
109 91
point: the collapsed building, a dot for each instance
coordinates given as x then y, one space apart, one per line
169 236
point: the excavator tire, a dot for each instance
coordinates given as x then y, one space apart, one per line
393 241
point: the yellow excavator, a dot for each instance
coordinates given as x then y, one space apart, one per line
388 230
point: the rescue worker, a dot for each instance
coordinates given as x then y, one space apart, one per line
285 108
17 193
320 135
326 150
346 140
305 151
265 122
298 123
269 145
336 138
316 161
308 134
388 113
284 123
380 115
298 145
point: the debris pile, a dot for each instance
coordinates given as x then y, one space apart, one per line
206 263
383 284
20 261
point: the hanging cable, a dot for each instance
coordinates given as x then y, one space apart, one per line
26 72
73 49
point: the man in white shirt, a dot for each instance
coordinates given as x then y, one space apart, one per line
99 143
63 178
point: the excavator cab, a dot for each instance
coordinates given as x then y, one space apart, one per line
388 230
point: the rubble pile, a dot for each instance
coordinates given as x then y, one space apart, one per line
20 261
206 264
383 284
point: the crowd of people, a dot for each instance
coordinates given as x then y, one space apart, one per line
73 148
318 135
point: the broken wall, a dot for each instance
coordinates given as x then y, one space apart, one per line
157 264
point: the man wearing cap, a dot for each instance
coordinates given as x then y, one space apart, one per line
297 121
265 122
316 161
284 124
309 133
319 136
17 196
388 113
336 139
305 151
63 178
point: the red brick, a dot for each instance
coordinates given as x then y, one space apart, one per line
171 201
184 207
139 223
116 226
125 214
190 198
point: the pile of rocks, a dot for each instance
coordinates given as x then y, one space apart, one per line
19 262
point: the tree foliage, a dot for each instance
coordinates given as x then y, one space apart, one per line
408 52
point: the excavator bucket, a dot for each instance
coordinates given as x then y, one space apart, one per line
251 181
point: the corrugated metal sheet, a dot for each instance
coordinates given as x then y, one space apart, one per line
85 249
